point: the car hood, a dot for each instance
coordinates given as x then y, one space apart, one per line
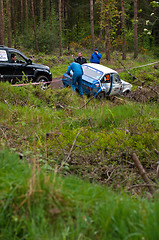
125 83
40 66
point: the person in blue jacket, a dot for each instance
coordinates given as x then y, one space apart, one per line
77 76
95 57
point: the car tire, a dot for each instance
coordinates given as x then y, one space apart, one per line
42 79
101 96
126 93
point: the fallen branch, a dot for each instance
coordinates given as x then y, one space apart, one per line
6 103
87 102
70 152
58 105
157 152
142 172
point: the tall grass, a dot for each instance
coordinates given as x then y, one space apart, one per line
26 121
35 205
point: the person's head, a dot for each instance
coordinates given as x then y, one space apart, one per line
13 57
79 54
96 50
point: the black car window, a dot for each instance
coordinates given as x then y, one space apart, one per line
19 58
3 56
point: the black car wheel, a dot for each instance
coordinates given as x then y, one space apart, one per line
43 79
101 96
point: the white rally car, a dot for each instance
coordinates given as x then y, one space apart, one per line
100 81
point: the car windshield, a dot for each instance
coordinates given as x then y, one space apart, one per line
92 72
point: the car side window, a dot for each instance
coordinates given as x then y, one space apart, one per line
106 79
19 58
3 56
116 78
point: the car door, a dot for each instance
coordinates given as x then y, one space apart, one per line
116 84
22 70
6 68
105 83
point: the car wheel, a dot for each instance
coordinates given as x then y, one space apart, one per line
43 79
126 93
101 96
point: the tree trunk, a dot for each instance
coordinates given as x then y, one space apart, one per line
41 11
69 23
63 14
107 30
33 15
50 7
1 23
8 22
92 24
14 23
21 14
135 30
26 12
60 40
123 31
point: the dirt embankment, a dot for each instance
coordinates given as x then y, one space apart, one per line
144 94
57 83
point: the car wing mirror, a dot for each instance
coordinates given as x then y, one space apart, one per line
29 61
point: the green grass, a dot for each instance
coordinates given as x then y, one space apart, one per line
59 70
39 205
28 115
54 131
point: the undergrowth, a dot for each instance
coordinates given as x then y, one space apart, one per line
35 205
90 141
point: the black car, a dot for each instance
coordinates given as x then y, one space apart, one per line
21 68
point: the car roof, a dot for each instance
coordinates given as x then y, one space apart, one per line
7 48
100 67
2 47
12 50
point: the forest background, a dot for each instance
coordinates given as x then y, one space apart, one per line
48 26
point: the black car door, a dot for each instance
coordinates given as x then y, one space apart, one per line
22 71
6 68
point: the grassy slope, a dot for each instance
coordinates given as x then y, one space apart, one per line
39 205
96 143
